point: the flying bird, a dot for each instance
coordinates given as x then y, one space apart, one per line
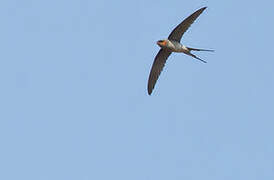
172 44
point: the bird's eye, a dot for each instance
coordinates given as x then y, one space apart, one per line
160 41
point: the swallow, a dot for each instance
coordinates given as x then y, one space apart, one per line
172 44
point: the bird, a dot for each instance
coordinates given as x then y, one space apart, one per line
172 44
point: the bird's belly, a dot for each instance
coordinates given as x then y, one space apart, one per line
180 50
176 47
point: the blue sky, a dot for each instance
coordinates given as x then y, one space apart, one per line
74 103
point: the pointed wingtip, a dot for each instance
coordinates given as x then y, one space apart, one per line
203 8
149 92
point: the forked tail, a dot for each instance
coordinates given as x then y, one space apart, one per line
196 57
195 49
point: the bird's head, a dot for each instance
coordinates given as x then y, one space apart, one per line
162 43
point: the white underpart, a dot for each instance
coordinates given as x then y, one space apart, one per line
175 46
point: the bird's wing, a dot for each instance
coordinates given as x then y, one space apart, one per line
178 32
157 67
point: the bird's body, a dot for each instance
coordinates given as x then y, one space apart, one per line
172 44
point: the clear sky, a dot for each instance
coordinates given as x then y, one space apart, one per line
74 103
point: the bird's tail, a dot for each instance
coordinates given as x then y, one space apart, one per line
196 57
195 49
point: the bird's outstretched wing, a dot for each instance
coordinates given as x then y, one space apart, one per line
157 67
178 32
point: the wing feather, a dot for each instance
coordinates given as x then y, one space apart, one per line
157 67
178 32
